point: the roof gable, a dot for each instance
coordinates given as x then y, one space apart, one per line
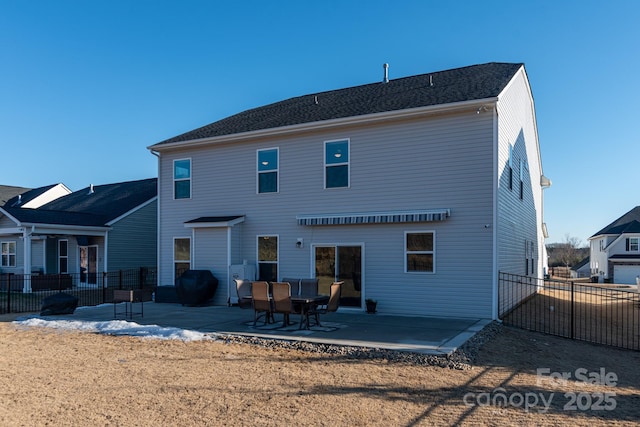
475 82
627 223
91 206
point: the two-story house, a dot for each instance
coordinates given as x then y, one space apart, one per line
414 191
615 250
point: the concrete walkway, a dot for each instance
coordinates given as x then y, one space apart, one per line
427 335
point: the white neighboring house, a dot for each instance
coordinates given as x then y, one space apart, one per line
615 250
414 191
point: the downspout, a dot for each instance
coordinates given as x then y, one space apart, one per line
494 228
158 275
26 238
229 265
106 259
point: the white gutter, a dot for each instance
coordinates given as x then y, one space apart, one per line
324 124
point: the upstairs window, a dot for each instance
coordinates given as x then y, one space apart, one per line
268 170
268 258
336 162
420 252
8 254
182 179
632 244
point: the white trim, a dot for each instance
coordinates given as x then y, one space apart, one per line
494 225
276 170
347 163
216 224
190 179
432 251
327 124
277 262
173 254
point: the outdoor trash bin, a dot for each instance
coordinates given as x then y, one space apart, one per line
61 303
196 287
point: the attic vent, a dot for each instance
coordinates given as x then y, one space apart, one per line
91 191
385 79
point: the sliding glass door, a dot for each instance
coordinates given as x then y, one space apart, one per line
340 263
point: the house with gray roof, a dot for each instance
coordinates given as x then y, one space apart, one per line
83 233
413 191
615 250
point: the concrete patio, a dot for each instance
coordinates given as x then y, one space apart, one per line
426 335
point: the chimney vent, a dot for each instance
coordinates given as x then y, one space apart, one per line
91 191
385 66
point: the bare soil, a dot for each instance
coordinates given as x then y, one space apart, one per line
52 377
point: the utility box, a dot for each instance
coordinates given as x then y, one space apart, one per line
239 271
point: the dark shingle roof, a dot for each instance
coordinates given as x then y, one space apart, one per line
461 84
8 192
28 195
104 204
627 223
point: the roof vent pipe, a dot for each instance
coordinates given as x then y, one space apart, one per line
385 66
91 189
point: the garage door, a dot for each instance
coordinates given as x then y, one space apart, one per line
626 274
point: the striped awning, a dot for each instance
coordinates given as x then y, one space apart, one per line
374 217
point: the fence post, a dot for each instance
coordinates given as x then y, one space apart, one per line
573 335
8 293
104 287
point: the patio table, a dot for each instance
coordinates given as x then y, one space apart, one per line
306 302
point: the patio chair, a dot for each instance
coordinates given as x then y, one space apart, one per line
309 287
262 304
243 289
295 285
332 305
282 300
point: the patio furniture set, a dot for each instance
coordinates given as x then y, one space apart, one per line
297 296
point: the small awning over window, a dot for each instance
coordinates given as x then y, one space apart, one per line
214 221
374 217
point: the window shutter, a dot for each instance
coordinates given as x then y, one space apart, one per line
627 245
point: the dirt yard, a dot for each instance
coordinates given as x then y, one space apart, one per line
51 377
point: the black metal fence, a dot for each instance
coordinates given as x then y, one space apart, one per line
23 293
603 314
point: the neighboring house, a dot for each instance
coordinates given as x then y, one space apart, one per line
414 191
31 198
615 250
97 229
581 269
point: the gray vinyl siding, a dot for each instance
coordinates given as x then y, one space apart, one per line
518 220
5 222
210 253
133 240
438 162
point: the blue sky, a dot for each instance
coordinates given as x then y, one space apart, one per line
86 86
